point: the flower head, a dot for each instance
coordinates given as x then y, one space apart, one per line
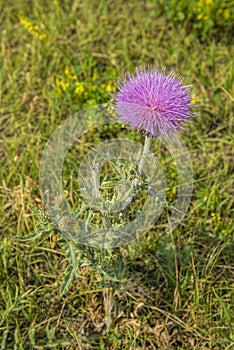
154 102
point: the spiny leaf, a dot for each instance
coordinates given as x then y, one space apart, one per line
70 275
34 210
31 237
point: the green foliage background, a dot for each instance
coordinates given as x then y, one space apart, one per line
59 57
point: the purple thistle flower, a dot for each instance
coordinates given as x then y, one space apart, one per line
154 102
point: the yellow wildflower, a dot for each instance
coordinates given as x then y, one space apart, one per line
56 3
69 75
216 220
32 28
174 190
109 87
110 107
228 229
209 2
203 17
226 14
194 99
64 84
79 88
61 85
202 3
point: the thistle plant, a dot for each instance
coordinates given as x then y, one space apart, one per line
150 102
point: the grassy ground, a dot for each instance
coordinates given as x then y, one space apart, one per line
179 292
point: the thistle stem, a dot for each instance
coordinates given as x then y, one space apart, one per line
96 179
96 183
108 293
146 149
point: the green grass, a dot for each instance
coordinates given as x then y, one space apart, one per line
179 292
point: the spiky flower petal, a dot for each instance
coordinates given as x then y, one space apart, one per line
154 102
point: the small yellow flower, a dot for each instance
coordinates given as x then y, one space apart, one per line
56 3
226 14
209 2
174 190
216 220
228 228
109 87
69 74
79 88
64 84
194 99
31 28
61 85
110 108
